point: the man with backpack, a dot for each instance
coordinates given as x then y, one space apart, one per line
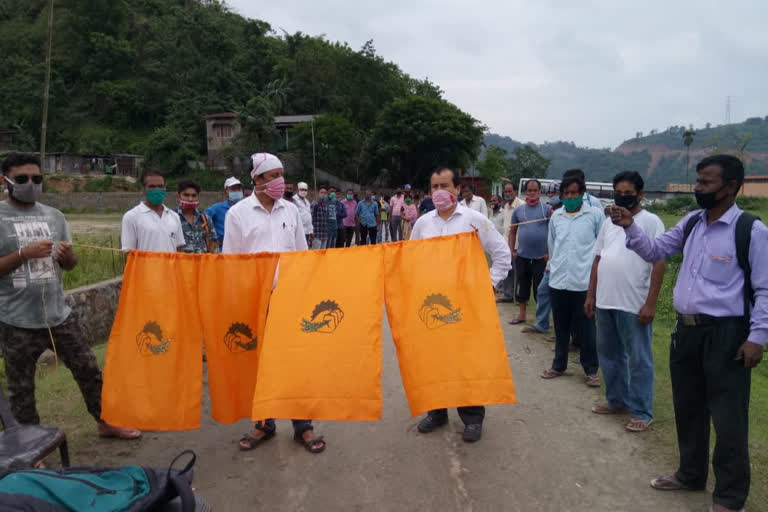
721 299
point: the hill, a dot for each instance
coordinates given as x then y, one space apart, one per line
660 156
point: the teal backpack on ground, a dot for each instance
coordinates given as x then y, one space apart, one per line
125 489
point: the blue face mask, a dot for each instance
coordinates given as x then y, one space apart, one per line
321 197
368 197
350 196
235 196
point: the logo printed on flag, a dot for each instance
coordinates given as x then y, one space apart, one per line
437 311
326 318
240 338
150 340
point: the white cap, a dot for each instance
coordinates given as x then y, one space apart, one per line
231 182
264 162
407 187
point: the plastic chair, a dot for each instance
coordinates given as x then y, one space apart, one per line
22 446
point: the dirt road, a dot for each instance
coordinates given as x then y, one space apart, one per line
546 453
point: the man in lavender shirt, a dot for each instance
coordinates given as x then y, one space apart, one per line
717 339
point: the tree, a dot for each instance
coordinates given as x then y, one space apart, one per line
527 162
257 126
414 134
338 145
688 140
495 164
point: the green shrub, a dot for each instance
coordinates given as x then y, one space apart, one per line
98 184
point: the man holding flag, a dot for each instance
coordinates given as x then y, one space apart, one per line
266 222
450 218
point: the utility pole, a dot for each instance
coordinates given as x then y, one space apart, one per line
314 167
46 89
728 110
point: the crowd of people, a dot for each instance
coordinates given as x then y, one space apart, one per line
598 279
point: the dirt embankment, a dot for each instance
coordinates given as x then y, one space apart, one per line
69 183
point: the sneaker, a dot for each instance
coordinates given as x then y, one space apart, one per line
472 433
430 423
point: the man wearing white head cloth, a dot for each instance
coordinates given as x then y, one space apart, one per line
266 222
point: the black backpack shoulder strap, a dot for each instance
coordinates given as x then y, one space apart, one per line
743 240
692 221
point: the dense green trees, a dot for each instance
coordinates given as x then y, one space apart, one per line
139 75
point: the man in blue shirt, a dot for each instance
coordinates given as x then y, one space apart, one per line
367 214
573 231
217 212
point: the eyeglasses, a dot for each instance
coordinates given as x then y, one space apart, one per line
21 179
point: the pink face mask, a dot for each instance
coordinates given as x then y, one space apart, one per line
188 205
275 188
443 200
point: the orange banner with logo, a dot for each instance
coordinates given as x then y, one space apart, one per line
445 324
153 369
234 297
321 356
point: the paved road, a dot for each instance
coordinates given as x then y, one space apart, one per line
546 453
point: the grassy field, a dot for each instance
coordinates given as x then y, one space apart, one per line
663 431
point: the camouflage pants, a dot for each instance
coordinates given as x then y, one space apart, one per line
21 349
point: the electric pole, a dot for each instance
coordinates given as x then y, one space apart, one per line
46 89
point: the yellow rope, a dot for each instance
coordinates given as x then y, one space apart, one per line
97 247
50 331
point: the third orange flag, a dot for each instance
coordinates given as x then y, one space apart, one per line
321 356
445 324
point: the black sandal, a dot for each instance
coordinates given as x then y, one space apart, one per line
310 445
253 442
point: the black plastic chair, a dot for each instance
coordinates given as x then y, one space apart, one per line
23 446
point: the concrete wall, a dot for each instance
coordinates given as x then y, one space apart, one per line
115 200
95 307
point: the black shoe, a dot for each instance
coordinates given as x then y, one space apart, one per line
472 433
430 423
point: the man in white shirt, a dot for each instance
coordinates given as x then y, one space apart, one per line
511 201
450 218
266 222
472 201
624 287
151 226
305 210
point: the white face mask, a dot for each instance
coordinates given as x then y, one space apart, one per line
302 193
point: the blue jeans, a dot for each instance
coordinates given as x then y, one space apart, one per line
543 306
330 241
626 357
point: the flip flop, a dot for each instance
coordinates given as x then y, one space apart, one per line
530 330
551 373
642 425
669 483
516 321
607 409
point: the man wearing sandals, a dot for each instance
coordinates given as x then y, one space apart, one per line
624 288
721 299
36 248
573 232
278 225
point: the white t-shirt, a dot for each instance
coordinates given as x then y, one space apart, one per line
477 203
145 230
250 228
623 277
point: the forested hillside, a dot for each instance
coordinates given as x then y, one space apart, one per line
659 156
138 75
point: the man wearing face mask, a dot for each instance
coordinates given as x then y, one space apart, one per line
198 229
721 299
267 222
367 214
35 247
410 214
396 210
151 226
511 201
624 289
217 212
320 220
305 210
450 218
349 223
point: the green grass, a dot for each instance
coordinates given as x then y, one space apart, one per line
95 265
663 432
60 403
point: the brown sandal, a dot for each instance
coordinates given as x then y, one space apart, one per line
551 373
638 425
605 408
668 483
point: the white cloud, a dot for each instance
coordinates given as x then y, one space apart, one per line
594 72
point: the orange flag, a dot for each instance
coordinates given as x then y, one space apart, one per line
153 370
444 321
234 298
321 356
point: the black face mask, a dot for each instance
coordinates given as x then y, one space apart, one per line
709 200
288 194
628 202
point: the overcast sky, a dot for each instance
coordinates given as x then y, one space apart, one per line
592 72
